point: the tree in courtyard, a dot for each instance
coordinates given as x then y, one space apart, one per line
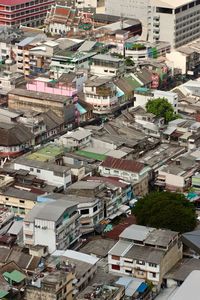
166 210
129 62
161 108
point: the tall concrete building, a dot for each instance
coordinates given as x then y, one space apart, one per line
137 9
163 20
174 21
23 12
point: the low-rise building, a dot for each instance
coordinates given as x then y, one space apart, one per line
53 285
107 66
129 170
14 139
84 266
77 138
177 175
18 201
141 50
107 292
64 61
51 173
145 253
186 59
25 100
143 95
54 224
10 80
90 206
115 194
101 94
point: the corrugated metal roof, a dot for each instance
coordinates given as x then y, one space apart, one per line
76 255
26 41
87 46
120 248
189 289
123 164
136 232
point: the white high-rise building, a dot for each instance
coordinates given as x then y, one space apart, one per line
174 21
136 9
163 20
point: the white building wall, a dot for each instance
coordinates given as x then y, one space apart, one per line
141 99
103 71
132 9
176 59
86 3
46 175
182 27
171 179
28 231
130 176
171 97
45 234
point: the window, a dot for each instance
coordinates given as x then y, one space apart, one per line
115 267
7 198
140 262
28 236
84 211
140 273
164 10
128 261
115 257
153 274
95 208
152 265
38 171
21 201
31 169
128 271
116 172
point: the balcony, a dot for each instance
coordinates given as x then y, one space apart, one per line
68 221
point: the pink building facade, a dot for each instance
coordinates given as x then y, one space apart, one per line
47 86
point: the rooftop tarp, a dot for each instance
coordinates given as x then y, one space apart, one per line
3 294
15 276
91 155
142 287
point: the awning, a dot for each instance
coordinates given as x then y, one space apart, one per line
142 287
113 216
124 208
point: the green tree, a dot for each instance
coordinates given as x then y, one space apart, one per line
161 108
166 210
129 62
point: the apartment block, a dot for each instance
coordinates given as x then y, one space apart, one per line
129 170
58 230
145 252
23 12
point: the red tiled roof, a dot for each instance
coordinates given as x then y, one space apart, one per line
62 11
117 230
122 164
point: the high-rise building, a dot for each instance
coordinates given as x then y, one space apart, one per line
162 20
23 12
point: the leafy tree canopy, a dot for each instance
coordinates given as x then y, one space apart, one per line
166 210
129 62
161 108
